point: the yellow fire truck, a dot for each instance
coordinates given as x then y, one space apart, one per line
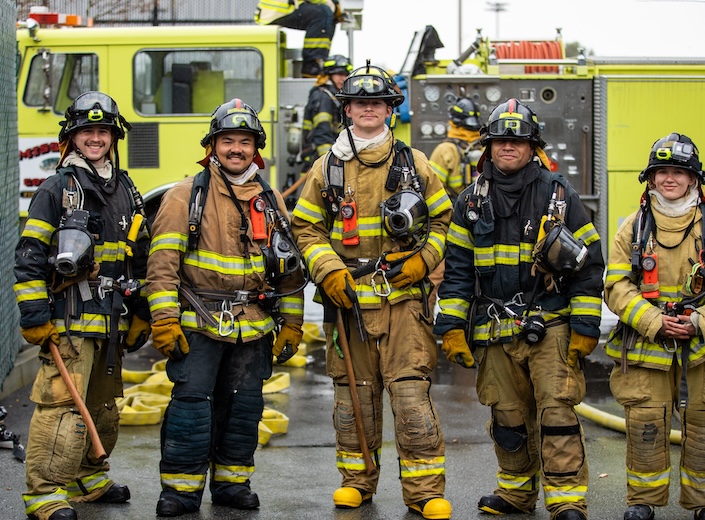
167 82
599 116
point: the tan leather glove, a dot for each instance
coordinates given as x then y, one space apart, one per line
334 287
456 348
412 270
287 342
138 334
41 335
580 346
169 339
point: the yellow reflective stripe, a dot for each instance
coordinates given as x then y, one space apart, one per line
617 272
239 327
31 291
322 148
292 305
90 483
440 171
564 494
226 265
438 203
90 324
312 213
354 461
516 482
438 242
316 252
366 227
168 241
39 230
34 502
368 299
643 352
506 254
109 252
587 233
322 117
422 467
307 125
586 306
455 307
526 252
163 300
316 43
649 479
484 256
183 482
237 474
693 479
635 309
460 236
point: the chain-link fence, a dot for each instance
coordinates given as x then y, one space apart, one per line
150 12
9 189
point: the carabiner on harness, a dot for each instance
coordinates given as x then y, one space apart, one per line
226 312
387 288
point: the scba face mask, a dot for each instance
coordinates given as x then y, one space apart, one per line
404 214
73 244
560 252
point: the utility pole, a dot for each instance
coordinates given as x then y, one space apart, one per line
497 7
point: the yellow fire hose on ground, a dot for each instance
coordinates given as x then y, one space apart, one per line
613 422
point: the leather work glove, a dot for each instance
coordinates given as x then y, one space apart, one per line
169 339
138 334
287 342
457 349
412 270
580 346
41 335
334 286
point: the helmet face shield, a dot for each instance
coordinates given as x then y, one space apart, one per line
465 113
371 82
369 85
95 101
235 115
510 128
93 108
337 64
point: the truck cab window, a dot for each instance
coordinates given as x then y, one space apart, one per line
195 81
55 79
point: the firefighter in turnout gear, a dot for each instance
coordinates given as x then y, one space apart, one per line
372 268
455 162
524 276
80 263
317 17
655 286
223 278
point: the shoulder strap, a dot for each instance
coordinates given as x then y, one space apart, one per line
71 190
199 193
333 182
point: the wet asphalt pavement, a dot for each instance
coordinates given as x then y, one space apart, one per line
295 472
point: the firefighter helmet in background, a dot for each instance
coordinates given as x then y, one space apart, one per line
674 150
337 64
371 82
235 115
93 108
464 113
512 120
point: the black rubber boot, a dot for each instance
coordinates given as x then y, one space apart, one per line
571 514
170 506
117 494
699 514
65 513
244 499
496 505
639 512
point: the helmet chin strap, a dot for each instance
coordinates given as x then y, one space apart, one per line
370 165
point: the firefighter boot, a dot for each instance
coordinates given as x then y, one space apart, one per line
65 513
571 514
496 505
639 512
244 499
699 514
116 494
350 497
170 506
435 508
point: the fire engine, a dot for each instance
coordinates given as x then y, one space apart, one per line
599 116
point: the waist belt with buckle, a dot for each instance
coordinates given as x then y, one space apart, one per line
220 301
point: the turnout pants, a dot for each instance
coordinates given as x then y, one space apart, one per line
59 464
398 356
212 419
649 396
537 436
318 22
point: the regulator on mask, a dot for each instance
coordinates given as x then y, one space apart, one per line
281 257
73 244
405 216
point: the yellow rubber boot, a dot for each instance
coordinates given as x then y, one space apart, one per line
436 509
350 497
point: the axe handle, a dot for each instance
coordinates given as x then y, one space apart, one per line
96 445
357 411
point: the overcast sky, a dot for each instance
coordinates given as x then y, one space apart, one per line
607 27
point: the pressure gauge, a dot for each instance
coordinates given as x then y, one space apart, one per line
432 93
439 129
493 94
426 128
